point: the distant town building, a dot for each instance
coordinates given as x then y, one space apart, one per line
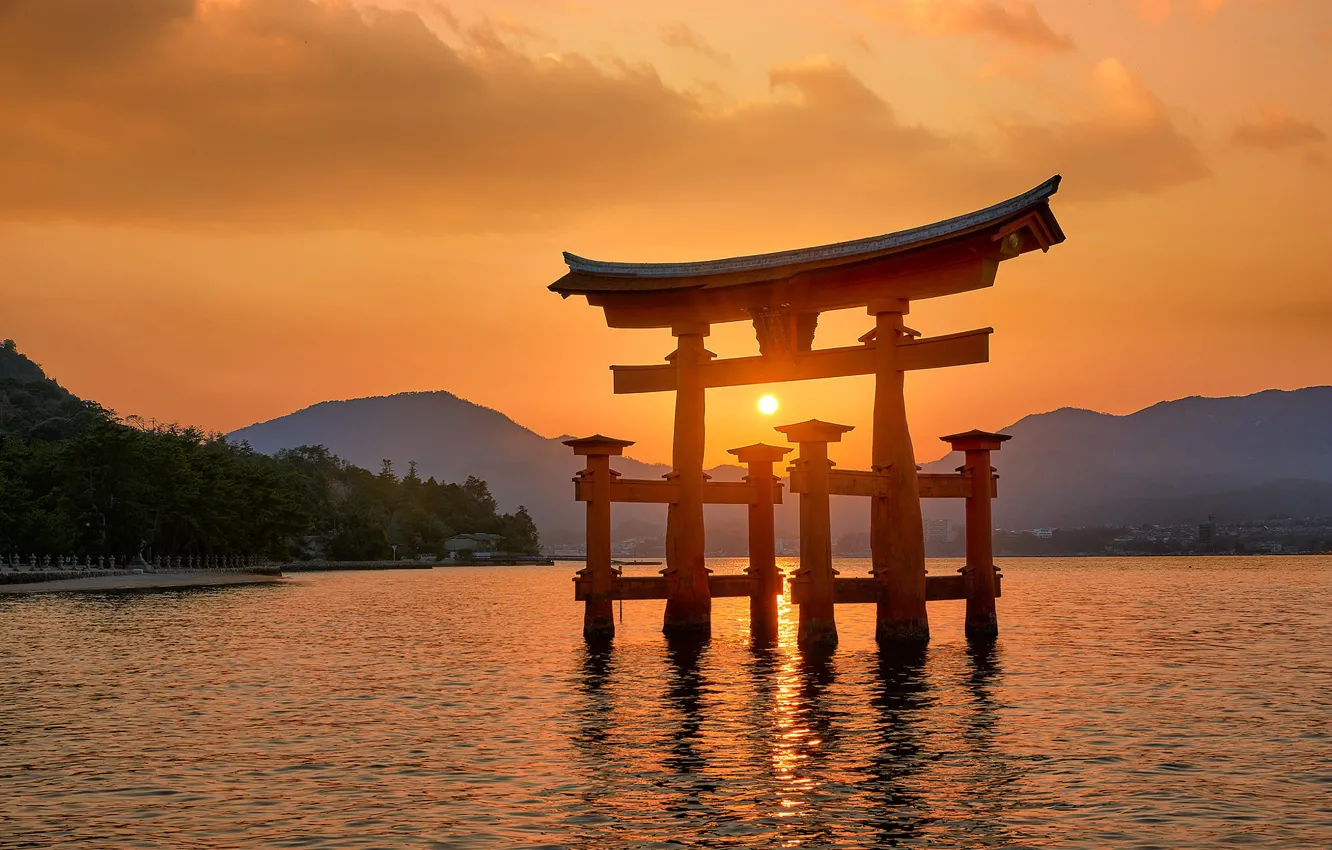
473 543
1042 533
937 530
1207 531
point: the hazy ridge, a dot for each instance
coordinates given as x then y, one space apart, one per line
1241 458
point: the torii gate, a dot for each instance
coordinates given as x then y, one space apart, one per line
783 294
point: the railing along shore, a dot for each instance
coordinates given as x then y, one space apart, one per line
31 569
18 570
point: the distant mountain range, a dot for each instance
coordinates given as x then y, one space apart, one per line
1242 458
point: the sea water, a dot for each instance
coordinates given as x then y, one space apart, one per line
1143 702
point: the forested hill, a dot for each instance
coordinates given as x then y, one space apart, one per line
453 438
75 479
33 405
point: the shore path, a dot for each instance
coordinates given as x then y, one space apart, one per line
146 581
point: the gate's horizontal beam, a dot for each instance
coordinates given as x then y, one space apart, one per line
851 591
957 349
851 482
846 591
658 587
664 492
948 485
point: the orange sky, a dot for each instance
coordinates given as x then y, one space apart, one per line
220 212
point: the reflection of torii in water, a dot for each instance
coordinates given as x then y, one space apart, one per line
782 294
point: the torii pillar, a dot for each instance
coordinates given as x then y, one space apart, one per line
598 611
818 623
979 572
759 459
689 607
897 534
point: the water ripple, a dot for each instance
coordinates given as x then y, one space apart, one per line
1134 702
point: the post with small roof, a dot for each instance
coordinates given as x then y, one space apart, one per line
759 459
598 611
812 583
689 607
982 617
897 535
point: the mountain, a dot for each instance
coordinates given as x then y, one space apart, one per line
1246 457
451 438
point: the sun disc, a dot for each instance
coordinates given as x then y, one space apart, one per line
767 405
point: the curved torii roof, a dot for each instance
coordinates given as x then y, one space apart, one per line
676 292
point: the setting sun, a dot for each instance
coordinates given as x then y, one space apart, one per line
767 405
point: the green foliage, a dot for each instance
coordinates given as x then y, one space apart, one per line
74 478
32 404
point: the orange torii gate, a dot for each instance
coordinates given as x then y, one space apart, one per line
782 294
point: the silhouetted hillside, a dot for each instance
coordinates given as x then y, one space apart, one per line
1247 457
449 438
33 405
77 480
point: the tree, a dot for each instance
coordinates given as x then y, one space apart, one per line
77 478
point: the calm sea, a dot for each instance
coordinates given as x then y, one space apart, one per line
1171 703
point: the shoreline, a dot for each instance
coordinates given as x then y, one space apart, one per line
139 581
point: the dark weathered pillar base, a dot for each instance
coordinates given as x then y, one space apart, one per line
599 620
982 628
687 617
817 632
693 629
688 611
903 632
687 629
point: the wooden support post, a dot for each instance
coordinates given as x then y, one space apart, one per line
979 572
759 458
598 613
818 624
689 608
897 536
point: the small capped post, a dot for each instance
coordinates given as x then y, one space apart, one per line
812 584
979 571
598 613
759 459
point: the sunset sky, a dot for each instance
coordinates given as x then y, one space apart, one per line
218 212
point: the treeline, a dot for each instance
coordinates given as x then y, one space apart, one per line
76 479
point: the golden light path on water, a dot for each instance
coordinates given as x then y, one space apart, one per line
1140 703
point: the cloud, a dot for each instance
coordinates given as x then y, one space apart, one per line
298 113
1124 141
681 36
301 114
1014 21
1156 11
1274 130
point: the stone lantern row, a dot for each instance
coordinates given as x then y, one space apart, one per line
71 563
